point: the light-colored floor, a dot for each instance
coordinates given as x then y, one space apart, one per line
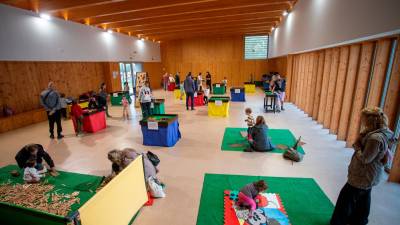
183 167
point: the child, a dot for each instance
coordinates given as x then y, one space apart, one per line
125 109
249 121
225 82
77 114
63 103
248 194
206 94
31 175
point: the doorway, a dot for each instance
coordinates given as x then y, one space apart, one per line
128 72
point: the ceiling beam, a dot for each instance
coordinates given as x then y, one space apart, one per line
209 24
164 38
188 11
267 15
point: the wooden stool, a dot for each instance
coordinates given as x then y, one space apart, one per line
270 102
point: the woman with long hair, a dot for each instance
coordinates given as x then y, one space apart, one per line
260 141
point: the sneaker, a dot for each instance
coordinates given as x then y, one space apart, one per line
52 136
248 150
193 109
60 136
282 108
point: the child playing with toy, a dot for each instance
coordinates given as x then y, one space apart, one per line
77 114
31 175
125 109
248 194
249 120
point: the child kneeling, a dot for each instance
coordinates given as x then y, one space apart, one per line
248 194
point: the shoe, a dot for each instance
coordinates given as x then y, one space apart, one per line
187 108
248 150
52 136
282 108
60 136
192 108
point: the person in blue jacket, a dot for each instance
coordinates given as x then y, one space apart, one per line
189 87
259 139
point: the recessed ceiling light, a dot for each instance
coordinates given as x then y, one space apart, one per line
142 39
45 16
109 31
284 13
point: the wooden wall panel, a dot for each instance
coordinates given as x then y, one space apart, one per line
392 100
331 87
155 73
324 87
320 70
289 79
378 78
348 95
313 84
113 83
360 91
221 56
340 84
394 175
22 82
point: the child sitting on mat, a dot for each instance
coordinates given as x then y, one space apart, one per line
31 175
249 120
248 194
125 109
77 114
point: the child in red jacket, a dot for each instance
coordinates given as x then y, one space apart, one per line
77 114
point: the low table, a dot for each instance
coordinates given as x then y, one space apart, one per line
219 88
249 87
171 86
92 121
198 100
116 97
270 101
218 106
238 94
160 130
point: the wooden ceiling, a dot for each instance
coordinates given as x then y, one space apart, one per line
163 20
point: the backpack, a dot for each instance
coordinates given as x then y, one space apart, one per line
292 153
153 158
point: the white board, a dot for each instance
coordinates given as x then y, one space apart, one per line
218 85
237 91
152 125
218 102
115 94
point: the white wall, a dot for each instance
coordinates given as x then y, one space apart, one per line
315 24
26 37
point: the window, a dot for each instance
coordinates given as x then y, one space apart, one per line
128 74
256 47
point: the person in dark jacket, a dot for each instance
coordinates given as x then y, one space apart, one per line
51 101
102 98
177 80
260 141
189 87
365 169
208 80
35 151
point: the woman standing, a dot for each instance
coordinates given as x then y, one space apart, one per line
103 98
365 169
260 141
208 80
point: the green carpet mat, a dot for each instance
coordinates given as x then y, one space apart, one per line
303 199
65 183
278 136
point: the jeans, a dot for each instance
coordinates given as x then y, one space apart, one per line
191 96
55 118
146 109
352 206
64 113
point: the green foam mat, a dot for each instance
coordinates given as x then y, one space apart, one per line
303 199
232 136
64 183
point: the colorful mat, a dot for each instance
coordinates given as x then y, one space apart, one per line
303 200
270 210
234 141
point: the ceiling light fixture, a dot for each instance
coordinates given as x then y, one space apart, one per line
109 31
45 16
142 39
285 13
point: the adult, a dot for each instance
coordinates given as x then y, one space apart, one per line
275 87
102 98
37 152
189 87
282 87
126 87
50 100
177 80
365 169
122 158
165 81
260 141
208 80
145 99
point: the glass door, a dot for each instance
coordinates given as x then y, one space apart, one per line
128 74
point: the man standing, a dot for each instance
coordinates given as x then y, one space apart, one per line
208 80
165 81
50 100
189 89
